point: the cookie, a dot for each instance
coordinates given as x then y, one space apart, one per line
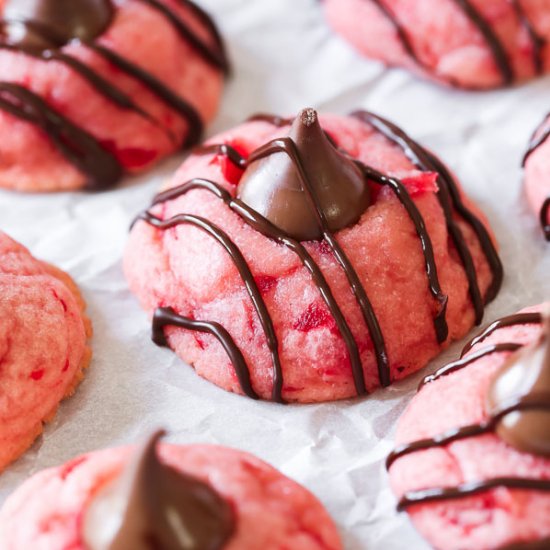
536 163
311 259
43 345
465 43
179 497
93 89
472 466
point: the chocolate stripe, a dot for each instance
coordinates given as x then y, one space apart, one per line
468 360
449 198
496 46
208 22
544 215
246 275
538 41
491 38
75 144
465 432
185 109
168 317
469 489
401 32
537 140
215 57
440 321
510 321
93 78
438 441
265 227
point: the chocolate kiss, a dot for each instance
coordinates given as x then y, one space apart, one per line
525 375
273 186
44 24
152 506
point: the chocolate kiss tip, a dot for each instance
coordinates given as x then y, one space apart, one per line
308 117
152 441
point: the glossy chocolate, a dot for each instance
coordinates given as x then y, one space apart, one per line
274 186
153 506
519 411
168 317
45 24
524 377
36 28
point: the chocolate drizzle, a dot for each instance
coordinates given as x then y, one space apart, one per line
401 32
470 489
533 317
514 395
246 275
539 138
537 41
36 28
168 317
214 56
152 505
260 223
544 217
165 94
75 144
491 38
450 199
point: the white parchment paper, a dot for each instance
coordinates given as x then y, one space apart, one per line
284 58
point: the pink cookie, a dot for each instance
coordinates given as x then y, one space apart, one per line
53 510
475 44
335 311
93 89
537 179
472 466
43 350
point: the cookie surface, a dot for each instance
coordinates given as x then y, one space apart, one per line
537 179
43 349
271 511
82 113
274 314
498 516
466 43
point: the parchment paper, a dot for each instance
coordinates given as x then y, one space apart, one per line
284 58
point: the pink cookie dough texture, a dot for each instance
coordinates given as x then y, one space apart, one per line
30 161
272 512
447 42
495 518
185 269
43 345
537 174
